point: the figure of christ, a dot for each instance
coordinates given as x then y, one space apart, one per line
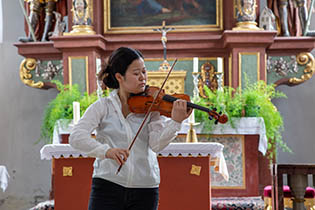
164 31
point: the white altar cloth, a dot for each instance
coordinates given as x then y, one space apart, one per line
4 178
215 150
242 126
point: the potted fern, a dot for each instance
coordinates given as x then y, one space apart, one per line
252 101
60 109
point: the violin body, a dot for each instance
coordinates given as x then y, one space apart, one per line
142 103
164 104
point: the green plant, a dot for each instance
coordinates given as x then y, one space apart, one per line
62 108
252 101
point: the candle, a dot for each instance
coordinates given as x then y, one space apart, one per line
76 112
191 118
220 65
195 62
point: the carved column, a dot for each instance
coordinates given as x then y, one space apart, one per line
247 55
80 59
298 184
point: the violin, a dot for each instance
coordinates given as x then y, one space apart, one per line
141 103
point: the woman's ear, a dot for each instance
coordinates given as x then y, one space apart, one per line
119 77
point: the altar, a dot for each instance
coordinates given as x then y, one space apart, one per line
245 147
185 175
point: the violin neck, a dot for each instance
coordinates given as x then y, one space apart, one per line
189 104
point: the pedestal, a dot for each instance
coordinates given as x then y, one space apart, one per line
185 183
72 182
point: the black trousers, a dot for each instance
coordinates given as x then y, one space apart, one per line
106 195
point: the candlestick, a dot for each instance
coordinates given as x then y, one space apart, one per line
195 62
220 65
196 90
191 118
76 112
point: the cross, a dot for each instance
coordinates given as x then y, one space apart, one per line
164 31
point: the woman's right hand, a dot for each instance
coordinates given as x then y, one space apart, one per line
117 154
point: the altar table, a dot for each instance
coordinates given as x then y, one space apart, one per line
185 175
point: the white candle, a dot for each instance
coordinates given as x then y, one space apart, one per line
220 65
191 118
195 62
76 112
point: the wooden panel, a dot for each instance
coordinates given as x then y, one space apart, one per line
179 188
72 186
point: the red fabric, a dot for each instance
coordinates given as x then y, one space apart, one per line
286 191
309 192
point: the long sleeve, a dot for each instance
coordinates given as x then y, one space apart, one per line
80 137
161 131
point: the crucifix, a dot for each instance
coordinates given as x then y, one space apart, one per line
164 30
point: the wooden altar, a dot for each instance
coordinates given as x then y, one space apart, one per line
186 186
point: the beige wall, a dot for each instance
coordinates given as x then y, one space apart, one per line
21 110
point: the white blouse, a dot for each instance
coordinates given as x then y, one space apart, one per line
113 130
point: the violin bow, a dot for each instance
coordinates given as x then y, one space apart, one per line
148 112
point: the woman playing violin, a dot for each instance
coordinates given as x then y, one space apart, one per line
136 186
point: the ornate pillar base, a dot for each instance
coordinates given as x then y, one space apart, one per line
246 26
298 184
81 30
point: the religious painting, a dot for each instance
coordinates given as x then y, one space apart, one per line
123 16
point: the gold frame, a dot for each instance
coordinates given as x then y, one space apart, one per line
243 187
179 28
70 58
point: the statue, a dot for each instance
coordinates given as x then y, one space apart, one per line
284 11
81 14
81 18
34 17
246 10
246 15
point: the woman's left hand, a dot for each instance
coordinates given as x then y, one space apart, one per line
180 111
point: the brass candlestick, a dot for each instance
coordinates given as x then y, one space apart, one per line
191 136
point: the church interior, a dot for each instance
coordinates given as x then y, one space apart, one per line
246 66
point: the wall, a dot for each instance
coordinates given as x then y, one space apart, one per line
299 122
21 111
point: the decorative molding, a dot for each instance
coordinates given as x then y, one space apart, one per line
175 83
308 60
208 78
48 71
303 59
195 170
67 171
26 66
282 67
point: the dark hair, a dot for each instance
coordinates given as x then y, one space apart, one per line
117 62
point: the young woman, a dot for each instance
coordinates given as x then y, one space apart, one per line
135 187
